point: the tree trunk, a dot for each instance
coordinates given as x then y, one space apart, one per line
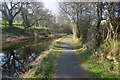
75 31
10 23
78 30
5 23
98 35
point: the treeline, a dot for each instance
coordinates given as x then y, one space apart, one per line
27 13
28 17
96 26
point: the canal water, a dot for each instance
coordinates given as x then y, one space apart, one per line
16 55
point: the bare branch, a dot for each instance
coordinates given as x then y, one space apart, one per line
19 9
64 10
36 21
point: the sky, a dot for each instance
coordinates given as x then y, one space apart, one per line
51 5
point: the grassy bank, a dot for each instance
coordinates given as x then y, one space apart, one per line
14 30
45 67
13 34
17 33
94 67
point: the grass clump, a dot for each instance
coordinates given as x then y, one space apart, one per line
46 69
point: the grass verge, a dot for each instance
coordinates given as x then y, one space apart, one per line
46 67
94 67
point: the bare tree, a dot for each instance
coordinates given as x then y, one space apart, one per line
99 19
10 10
72 10
32 13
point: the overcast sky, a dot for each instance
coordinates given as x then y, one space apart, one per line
52 5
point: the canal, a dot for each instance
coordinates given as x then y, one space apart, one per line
16 55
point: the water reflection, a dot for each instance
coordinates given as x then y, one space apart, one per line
15 58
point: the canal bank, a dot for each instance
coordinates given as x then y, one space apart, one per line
45 65
17 58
